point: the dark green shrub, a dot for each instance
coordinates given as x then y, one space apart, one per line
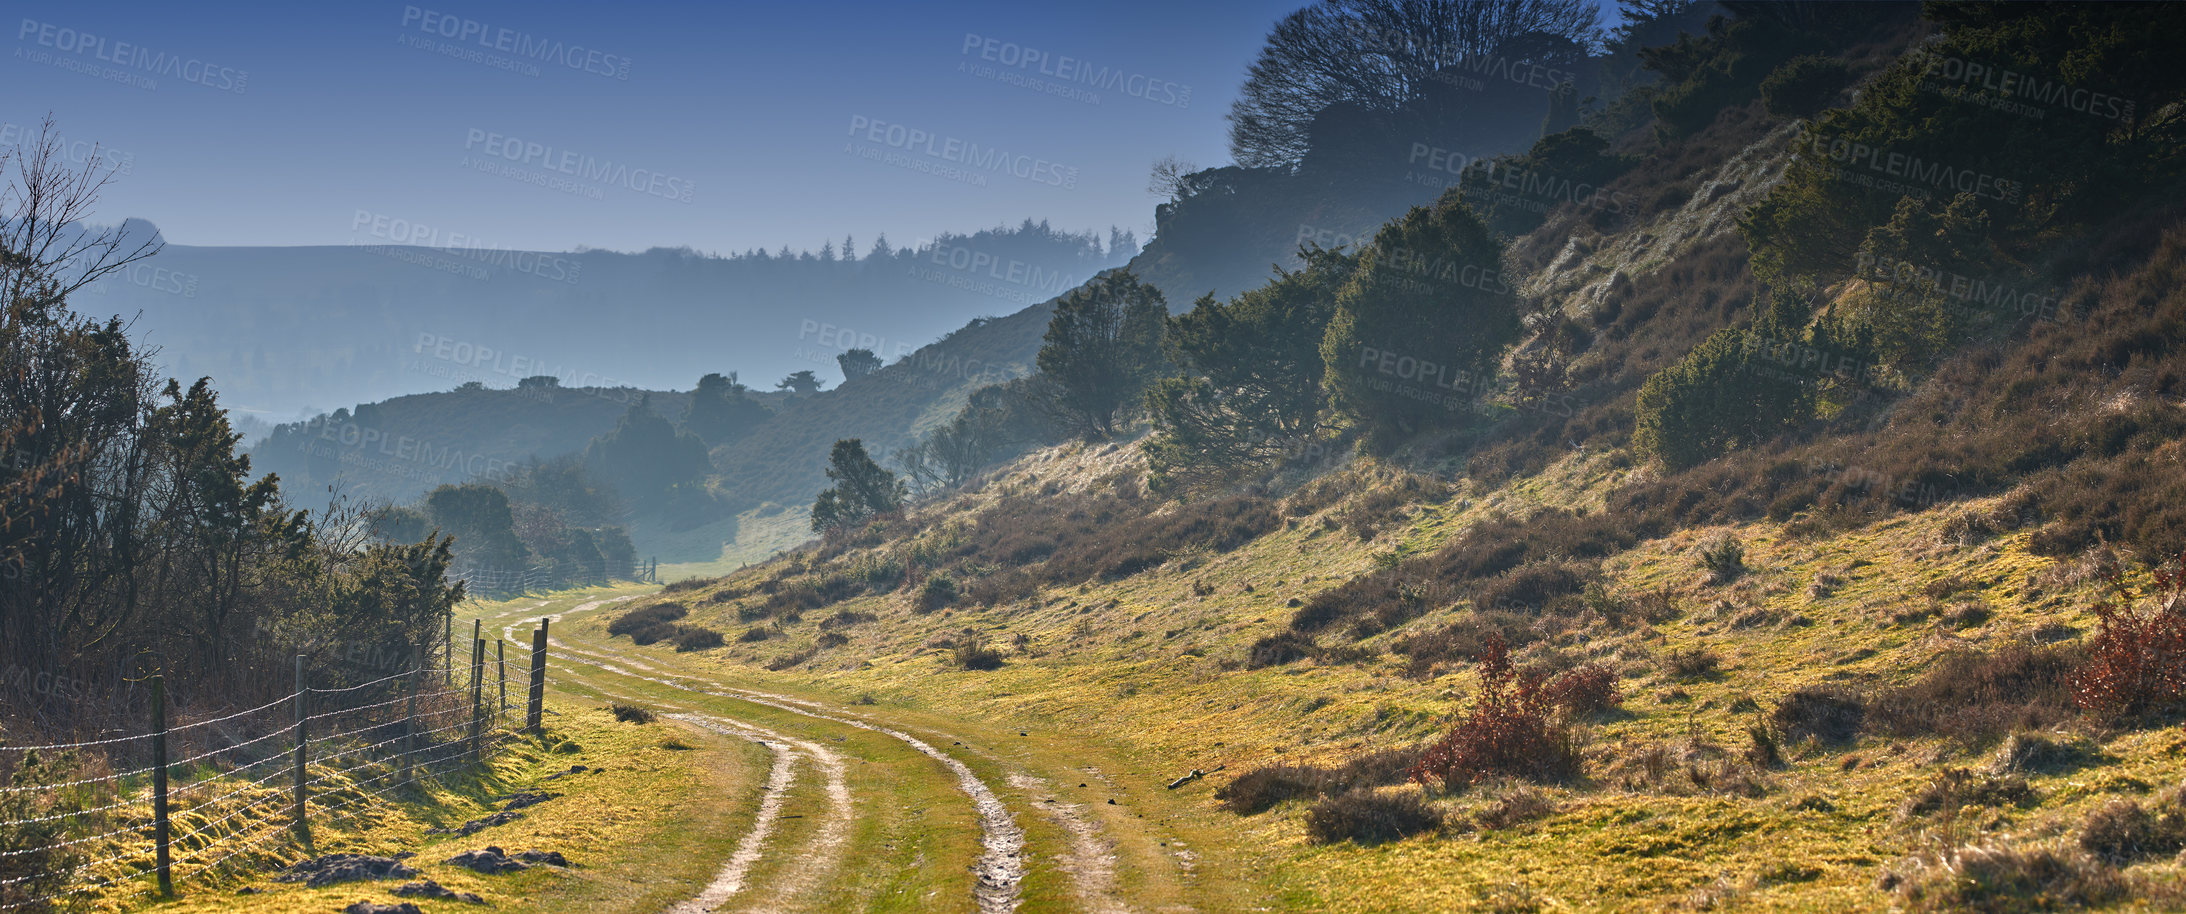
1804 86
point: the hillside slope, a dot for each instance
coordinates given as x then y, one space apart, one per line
1903 648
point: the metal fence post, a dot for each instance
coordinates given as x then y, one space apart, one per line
160 836
303 744
409 711
478 677
536 709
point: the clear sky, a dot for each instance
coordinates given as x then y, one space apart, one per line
721 126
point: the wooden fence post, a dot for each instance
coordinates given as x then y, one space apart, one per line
501 673
536 710
303 744
159 786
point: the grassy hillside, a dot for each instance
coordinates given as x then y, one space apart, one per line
1908 648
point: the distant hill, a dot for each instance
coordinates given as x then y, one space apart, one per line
289 332
399 449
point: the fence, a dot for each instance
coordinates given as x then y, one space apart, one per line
319 754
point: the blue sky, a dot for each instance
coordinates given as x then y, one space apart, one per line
721 126
625 126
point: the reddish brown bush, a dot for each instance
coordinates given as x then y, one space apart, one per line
1510 730
1587 689
2136 662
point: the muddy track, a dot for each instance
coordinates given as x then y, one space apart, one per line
822 852
1088 858
1001 865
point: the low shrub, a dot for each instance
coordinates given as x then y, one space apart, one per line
689 584
1953 789
648 624
755 634
831 640
1510 731
972 654
844 618
1463 640
1525 804
2136 663
2040 877
1280 648
938 590
1263 788
1723 556
695 638
1976 696
631 714
2035 753
1587 689
1821 713
2122 831
1689 665
1370 817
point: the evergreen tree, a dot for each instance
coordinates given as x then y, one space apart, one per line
858 363
862 490
1420 323
1102 348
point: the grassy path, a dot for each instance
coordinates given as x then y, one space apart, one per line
869 807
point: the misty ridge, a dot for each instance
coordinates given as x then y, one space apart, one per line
411 307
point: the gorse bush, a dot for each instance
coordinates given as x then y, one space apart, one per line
694 638
1724 557
648 624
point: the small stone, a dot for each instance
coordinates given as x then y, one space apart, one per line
367 907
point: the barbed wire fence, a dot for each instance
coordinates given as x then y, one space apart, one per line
196 800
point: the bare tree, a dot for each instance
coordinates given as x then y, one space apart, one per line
45 249
1168 178
1377 55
